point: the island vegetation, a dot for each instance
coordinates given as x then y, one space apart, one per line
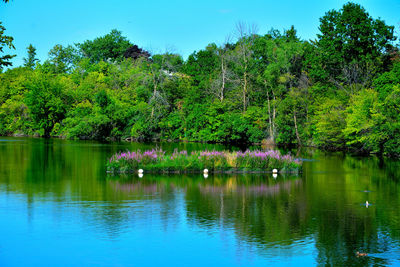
157 160
339 91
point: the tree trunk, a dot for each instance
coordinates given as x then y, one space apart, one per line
223 70
244 91
269 117
154 93
244 82
295 126
273 115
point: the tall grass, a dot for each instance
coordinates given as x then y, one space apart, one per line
181 161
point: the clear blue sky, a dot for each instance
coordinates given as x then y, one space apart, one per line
181 26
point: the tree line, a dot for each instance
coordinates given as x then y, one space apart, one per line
340 91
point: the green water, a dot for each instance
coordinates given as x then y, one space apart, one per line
58 207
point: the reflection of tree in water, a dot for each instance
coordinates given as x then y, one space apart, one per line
324 205
54 172
261 210
336 189
339 235
282 213
159 199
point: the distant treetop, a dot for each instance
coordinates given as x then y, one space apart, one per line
135 52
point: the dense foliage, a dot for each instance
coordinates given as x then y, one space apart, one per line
340 91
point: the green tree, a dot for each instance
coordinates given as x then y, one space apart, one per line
330 121
14 115
5 41
291 118
61 59
279 59
200 66
349 45
30 62
387 132
384 83
46 101
111 46
360 121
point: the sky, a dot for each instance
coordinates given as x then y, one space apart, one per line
178 26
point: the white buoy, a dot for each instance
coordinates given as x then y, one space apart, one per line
205 170
274 171
367 204
205 175
140 175
275 175
140 171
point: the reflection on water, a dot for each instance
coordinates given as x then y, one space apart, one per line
57 204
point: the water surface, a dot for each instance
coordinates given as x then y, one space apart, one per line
58 207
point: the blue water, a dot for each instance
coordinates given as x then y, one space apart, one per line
58 207
70 233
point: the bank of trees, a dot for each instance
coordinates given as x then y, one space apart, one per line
339 91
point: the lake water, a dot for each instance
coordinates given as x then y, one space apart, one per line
58 207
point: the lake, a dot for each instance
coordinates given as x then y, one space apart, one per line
58 207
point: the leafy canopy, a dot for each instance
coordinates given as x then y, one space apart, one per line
5 41
351 37
111 46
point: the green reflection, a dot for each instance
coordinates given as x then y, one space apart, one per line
324 204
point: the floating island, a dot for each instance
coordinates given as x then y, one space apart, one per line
158 161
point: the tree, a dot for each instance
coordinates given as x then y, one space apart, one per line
14 116
162 69
223 74
384 83
350 43
30 62
243 50
330 120
201 65
279 61
5 41
387 130
62 58
360 121
135 52
111 46
46 101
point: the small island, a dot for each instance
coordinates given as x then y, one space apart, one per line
157 160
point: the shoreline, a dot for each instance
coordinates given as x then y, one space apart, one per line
269 145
